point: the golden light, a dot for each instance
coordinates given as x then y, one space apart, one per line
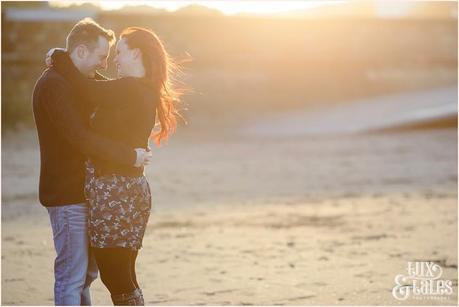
226 7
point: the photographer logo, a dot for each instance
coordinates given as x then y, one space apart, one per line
423 281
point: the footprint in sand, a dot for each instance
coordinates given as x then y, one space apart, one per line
396 255
373 237
367 274
212 293
319 284
14 279
305 297
256 278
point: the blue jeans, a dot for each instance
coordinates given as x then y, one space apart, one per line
75 267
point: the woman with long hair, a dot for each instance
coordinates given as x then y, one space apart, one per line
127 109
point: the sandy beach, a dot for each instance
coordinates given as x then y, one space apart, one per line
318 163
237 220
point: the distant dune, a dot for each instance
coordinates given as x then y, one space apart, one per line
422 109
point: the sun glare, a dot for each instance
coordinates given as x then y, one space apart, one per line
226 7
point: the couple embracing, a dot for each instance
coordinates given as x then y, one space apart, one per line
93 134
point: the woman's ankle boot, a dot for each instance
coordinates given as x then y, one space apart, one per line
134 298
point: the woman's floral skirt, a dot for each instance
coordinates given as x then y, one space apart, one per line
119 208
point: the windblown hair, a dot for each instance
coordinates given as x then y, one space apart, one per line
159 70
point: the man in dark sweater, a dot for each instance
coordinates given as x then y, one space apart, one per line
62 120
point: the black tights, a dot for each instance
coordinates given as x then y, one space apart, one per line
117 268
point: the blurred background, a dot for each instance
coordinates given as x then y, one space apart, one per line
252 58
320 151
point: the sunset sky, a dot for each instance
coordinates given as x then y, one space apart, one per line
383 8
227 7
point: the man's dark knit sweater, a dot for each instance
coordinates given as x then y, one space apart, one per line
62 120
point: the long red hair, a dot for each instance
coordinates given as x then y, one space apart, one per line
159 69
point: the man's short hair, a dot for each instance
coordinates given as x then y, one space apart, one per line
87 32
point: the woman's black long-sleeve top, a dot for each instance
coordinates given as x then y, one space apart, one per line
125 111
